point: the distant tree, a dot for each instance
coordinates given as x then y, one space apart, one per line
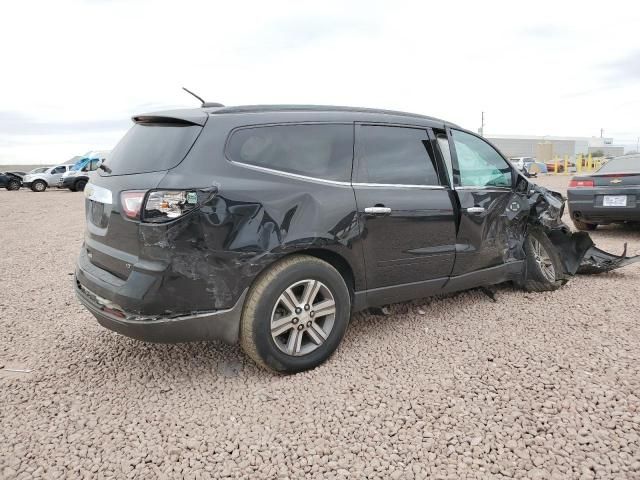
597 153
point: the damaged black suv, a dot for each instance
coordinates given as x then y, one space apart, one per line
270 225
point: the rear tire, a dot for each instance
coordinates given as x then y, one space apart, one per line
13 185
79 185
39 186
544 271
295 315
584 226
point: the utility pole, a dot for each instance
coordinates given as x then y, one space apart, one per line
601 132
481 130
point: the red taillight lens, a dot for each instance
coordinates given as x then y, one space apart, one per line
132 203
580 183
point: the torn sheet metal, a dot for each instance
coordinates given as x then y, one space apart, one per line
577 250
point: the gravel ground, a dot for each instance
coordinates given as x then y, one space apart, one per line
535 385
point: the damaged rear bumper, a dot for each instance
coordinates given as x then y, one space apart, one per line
217 325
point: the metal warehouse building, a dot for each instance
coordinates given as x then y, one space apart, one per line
529 146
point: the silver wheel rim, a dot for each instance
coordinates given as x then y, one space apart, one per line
39 186
543 260
303 317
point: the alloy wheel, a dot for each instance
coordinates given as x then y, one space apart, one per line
543 260
303 317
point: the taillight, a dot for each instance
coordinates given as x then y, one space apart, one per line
166 205
156 206
574 183
132 202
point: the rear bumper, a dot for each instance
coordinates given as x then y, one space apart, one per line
585 204
113 301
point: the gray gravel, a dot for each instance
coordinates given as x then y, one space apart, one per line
533 386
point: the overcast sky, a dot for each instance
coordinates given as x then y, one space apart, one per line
73 72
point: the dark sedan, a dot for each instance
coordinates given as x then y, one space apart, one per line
10 181
609 195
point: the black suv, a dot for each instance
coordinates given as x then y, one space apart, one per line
270 225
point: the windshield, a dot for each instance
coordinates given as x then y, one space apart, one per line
79 164
628 164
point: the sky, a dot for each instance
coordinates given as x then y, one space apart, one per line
74 72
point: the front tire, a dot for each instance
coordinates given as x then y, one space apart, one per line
39 186
544 270
79 185
13 185
295 315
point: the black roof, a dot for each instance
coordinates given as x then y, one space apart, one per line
317 108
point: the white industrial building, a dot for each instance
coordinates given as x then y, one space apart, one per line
529 146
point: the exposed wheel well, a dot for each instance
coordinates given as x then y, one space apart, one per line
337 261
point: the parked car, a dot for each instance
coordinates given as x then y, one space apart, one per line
10 181
534 168
78 175
520 162
609 195
39 181
269 225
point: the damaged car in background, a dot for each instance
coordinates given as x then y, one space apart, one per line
270 225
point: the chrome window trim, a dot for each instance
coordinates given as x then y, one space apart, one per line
291 175
480 187
331 182
398 185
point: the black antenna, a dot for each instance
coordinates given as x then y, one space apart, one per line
189 91
204 104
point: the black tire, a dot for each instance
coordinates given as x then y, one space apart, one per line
13 185
543 266
39 186
263 301
72 188
79 185
584 226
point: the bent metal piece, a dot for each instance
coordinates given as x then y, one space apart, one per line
599 261
577 250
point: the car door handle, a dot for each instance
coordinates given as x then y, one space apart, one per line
475 210
377 210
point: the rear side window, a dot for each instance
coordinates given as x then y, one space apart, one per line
320 151
152 147
395 155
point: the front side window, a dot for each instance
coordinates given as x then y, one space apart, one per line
320 151
57 170
479 164
395 155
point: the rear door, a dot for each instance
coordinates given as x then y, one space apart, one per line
483 184
406 212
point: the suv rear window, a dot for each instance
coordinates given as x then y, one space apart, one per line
320 151
151 147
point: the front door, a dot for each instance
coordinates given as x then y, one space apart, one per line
483 183
55 174
405 210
